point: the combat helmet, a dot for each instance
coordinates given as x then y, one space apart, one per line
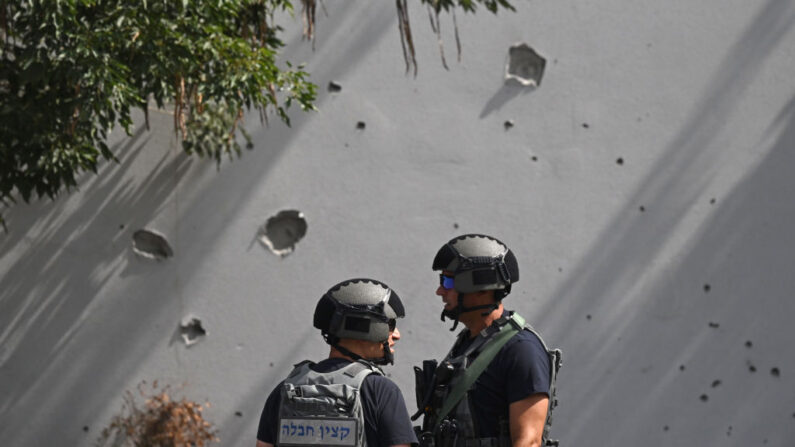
477 262
360 309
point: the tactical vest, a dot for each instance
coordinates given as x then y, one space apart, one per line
447 407
323 408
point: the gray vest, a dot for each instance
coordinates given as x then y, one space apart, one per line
323 408
466 434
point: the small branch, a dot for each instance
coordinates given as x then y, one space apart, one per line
406 41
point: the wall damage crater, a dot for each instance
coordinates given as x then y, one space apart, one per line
525 66
282 231
151 245
191 330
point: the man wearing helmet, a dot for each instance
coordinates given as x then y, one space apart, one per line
344 399
496 385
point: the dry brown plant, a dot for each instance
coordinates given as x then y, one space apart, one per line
161 421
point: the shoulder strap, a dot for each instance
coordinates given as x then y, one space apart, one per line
506 332
300 367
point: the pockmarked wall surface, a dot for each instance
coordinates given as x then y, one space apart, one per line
645 186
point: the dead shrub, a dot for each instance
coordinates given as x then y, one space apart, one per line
161 421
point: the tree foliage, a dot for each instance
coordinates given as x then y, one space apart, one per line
71 70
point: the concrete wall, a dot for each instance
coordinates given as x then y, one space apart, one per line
666 278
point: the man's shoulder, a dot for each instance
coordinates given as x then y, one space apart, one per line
525 344
378 389
378 381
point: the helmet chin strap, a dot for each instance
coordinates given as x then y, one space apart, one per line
387 359
459 309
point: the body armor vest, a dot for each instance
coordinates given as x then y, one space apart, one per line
323 408
447 407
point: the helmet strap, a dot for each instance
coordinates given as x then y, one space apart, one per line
459 309
387 359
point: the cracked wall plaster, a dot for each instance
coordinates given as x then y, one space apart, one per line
191 330
282 231
151 244
525 66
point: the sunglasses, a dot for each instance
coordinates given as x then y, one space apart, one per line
392 324
447 282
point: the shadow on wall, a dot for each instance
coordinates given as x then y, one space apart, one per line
628 366
40 318
524 70
45 294
721 315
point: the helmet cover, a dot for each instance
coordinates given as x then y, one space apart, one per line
478 262
358 309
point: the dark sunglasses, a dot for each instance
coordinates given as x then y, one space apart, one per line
392 324
446 282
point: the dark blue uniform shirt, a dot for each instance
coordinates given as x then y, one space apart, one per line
519 370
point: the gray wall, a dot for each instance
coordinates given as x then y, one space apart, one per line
696 98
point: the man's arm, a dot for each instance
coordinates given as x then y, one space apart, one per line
527 419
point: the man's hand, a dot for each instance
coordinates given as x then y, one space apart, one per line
263 444
527 419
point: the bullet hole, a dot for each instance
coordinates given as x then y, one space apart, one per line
508 124
681 367
586 126
704 398
239 414
775 372
282 231
729 431
666 428
588 317
748 344
346 145
121 226
714 325
85 428
712 201
525 66
620 161
271 365
333 87
716 383
751 368
361 125
455 225
534 158
151 245
191 330
707 288
642 209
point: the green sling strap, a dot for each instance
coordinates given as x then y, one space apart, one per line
514 326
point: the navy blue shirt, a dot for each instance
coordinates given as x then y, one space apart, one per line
386 420
519 370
